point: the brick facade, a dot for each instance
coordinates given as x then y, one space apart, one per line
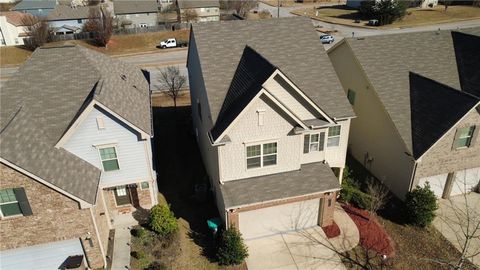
140 198
443 159
55 218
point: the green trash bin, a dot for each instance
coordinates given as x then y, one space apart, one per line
213 224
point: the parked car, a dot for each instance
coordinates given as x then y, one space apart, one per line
326 39
373 22
172 43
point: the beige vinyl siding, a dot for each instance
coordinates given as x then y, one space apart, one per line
372 132
246 131
292 101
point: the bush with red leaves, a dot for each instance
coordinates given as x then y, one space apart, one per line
332 230
372 235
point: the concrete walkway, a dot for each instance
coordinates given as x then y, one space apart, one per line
121 246
452 222
305 249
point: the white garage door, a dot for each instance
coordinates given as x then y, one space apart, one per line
276 219
465 180
437 183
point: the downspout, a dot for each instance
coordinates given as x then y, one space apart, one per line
98 238
413 175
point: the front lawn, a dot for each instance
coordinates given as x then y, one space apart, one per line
13 55
415 16
415 248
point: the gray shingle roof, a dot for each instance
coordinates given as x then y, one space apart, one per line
132 7
198 3
64 12
388 59
35 4
310 179
291 44
44 97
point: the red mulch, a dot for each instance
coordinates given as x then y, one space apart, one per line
372 235
332 230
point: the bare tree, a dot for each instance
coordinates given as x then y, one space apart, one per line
171 80
189 15
100 23
379 196
242 7
459 216
37 30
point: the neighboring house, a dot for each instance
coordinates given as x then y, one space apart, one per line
419 3
68 19
75 157
39 8
166 4
271 121
136 14
12 28
416 97
204 10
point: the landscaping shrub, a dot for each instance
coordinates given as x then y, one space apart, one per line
360 199
351 193
420 206
162 220
138 254
232 249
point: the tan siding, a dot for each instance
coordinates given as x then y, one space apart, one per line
372 131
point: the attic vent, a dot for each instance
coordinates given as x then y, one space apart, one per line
123 77
100 123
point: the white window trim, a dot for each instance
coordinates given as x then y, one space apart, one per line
261 154
329 137
470 137
103 146
318 143
12 216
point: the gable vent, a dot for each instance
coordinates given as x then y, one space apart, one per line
100 123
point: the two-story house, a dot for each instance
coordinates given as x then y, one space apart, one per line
13 28
68 19
202 10
416 97
75 154
271 121
136 14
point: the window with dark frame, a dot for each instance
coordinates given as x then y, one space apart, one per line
351 96
14 202
313 142
464 136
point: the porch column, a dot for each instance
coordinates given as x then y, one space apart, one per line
448 185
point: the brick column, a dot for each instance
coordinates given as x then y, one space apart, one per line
232 219
327 208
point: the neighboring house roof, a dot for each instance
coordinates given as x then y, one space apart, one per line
132 7
66 27
467 52
290 44
16 18
197 3
35 4
66 12
36 113
310 179
435 108
388 60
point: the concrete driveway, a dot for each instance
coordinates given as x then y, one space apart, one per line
305 249
452 222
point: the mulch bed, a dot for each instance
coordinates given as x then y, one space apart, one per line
331 230
372 235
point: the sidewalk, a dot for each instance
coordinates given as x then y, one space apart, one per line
121 246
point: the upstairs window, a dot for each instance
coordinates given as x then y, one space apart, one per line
14 202
261 155
463 137
109 158
333 136
313 142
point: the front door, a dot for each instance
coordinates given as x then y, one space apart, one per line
122 196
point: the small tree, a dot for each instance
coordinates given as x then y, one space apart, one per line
420 206
386 11
378 197
171 80
189 15
38 32
100 23
162 220
232 249
241 7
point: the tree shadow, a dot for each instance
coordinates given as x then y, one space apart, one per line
180 168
